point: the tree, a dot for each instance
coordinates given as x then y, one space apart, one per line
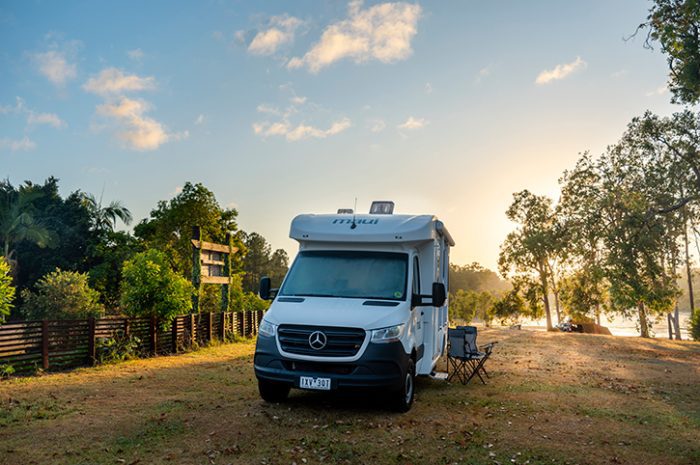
7 291
109 255
104 219
62 295
150 287
260 261
17 220
169 227
530 249
675 25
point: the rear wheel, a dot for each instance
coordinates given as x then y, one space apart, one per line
403 398
273 392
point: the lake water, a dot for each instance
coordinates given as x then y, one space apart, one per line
620 326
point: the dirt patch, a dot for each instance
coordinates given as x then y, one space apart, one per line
553 398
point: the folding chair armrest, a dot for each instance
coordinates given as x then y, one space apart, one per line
488 347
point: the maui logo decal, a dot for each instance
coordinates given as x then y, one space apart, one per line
360 221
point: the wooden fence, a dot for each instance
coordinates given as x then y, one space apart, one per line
61 344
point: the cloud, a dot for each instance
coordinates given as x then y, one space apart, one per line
661 90
136 54
560 71
483 74
279 32
376 125
297 100
115 81
199 120
413 123
45 118
136 130
619 74
381 32
23 144
428 88
301 131
55 66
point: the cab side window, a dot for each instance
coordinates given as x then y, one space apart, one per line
416 276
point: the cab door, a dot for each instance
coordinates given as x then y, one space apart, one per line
417 312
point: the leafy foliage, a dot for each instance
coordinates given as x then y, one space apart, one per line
7 291
261 261
150 287
118 348
62 295
675 25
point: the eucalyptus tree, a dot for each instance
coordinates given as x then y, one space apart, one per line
530 249
675 25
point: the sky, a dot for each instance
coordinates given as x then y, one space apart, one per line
281 108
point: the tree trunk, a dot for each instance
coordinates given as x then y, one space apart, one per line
677 323
597 314
545 293
643 325
556 306
689 272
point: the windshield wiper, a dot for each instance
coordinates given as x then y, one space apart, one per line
313 295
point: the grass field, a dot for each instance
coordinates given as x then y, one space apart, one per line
553 398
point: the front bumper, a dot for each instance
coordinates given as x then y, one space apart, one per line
381 366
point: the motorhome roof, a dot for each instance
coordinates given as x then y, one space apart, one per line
368 228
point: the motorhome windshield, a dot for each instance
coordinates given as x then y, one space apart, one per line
352 274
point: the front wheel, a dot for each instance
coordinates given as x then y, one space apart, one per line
403 398
273 392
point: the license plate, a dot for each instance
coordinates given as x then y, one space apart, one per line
321 384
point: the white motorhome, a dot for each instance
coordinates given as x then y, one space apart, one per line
362 306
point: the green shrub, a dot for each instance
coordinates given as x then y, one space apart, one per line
150 287
6 370
118 348
695 325
7 291
62 295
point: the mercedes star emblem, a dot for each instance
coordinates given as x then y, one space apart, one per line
317 340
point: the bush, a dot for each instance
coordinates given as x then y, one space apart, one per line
62 295
7 291
695 325
118 348
150 287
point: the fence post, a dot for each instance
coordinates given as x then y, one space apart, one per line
153 335
45 344
192 330
210 327
92 353
244 325
174 335
222 326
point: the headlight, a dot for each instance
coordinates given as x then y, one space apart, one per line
267 329
390 334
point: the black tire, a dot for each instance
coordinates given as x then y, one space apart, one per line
273 392
403 398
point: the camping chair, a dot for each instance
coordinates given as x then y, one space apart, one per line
464 359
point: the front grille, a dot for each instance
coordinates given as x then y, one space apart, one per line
341 342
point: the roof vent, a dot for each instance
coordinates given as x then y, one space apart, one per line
381 207
345 211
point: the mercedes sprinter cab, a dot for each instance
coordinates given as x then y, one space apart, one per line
363 305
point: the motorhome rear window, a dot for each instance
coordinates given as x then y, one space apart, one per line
351 274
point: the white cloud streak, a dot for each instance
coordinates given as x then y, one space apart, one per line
560 71
112 81
381 32
136 54
24 144
136 130
413 123
661 90
301 131
55 66
279 32
50 119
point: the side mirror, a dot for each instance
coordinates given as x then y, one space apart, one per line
265 288
439 294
